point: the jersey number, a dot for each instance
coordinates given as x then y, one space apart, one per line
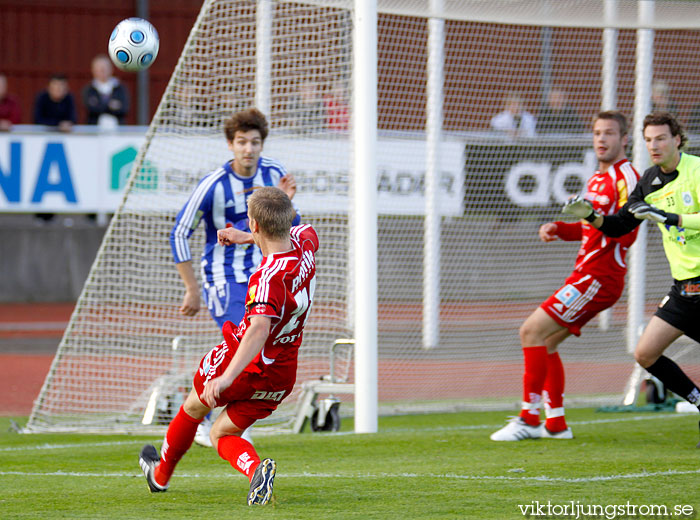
303 299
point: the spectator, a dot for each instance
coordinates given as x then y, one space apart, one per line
105 98
10 112
558 117
306 109
661 100
337 109
514 119
55 105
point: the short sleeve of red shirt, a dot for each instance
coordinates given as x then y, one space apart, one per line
305 234
266 295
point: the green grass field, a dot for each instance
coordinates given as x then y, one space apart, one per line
421 466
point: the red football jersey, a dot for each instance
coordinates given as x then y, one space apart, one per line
600 255
282 288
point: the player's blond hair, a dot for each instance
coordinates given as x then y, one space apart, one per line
271 208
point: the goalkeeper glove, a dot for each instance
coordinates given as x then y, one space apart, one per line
581 208
642 210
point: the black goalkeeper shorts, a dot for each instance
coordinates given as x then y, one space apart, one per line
681 307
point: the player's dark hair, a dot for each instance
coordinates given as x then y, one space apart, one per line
271 208
614 115
58 76
244 121
665 118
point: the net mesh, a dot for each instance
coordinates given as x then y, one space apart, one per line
127 352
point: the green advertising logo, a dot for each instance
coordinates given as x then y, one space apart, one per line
122 162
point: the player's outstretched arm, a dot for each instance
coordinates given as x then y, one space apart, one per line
645 211
548 232
231 235
581 208
690 221
190 301
288 184
252 343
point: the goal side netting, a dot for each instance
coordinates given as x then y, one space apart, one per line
127 357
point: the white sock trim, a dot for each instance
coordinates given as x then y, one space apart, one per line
551 413
531 408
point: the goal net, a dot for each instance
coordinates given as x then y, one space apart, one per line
127 357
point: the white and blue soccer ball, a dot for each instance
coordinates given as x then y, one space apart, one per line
133 45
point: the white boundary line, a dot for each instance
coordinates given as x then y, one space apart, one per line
73 445
452 476
384 430
31 326
574 423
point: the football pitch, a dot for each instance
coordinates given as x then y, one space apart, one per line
621 465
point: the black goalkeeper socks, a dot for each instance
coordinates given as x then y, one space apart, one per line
671 375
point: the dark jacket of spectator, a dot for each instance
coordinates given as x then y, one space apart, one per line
115 103
561 121
49 112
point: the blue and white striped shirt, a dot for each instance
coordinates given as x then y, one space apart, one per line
221 198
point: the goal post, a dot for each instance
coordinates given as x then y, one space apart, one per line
427 207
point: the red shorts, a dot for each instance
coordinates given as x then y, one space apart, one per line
580 298
251 396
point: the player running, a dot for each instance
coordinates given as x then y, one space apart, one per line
668 194
595 284
254 368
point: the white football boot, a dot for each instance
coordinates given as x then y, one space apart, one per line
202 435
517 430
563 434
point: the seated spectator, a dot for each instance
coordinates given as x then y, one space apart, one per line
514 120
55 105
661 100
106 99
558 117
306 109
337 109
10 112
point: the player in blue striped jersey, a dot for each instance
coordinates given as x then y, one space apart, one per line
220 200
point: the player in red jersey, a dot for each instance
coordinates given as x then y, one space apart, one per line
254 368
595 284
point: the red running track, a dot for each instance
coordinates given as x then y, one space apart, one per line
22 373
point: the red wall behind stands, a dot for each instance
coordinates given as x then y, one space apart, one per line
41 37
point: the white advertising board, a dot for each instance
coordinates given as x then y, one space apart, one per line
64 173
87 173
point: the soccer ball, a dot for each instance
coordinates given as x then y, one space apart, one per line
133 45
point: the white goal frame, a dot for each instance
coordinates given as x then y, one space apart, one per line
363 276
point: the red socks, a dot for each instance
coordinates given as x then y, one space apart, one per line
178 440
240 454
554 394
533 382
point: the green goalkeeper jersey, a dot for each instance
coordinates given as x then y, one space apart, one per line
681 195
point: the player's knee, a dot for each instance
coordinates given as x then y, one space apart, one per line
528 333
644 358
214 437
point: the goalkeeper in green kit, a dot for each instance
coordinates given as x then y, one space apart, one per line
669 194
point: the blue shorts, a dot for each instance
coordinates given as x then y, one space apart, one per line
226 302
